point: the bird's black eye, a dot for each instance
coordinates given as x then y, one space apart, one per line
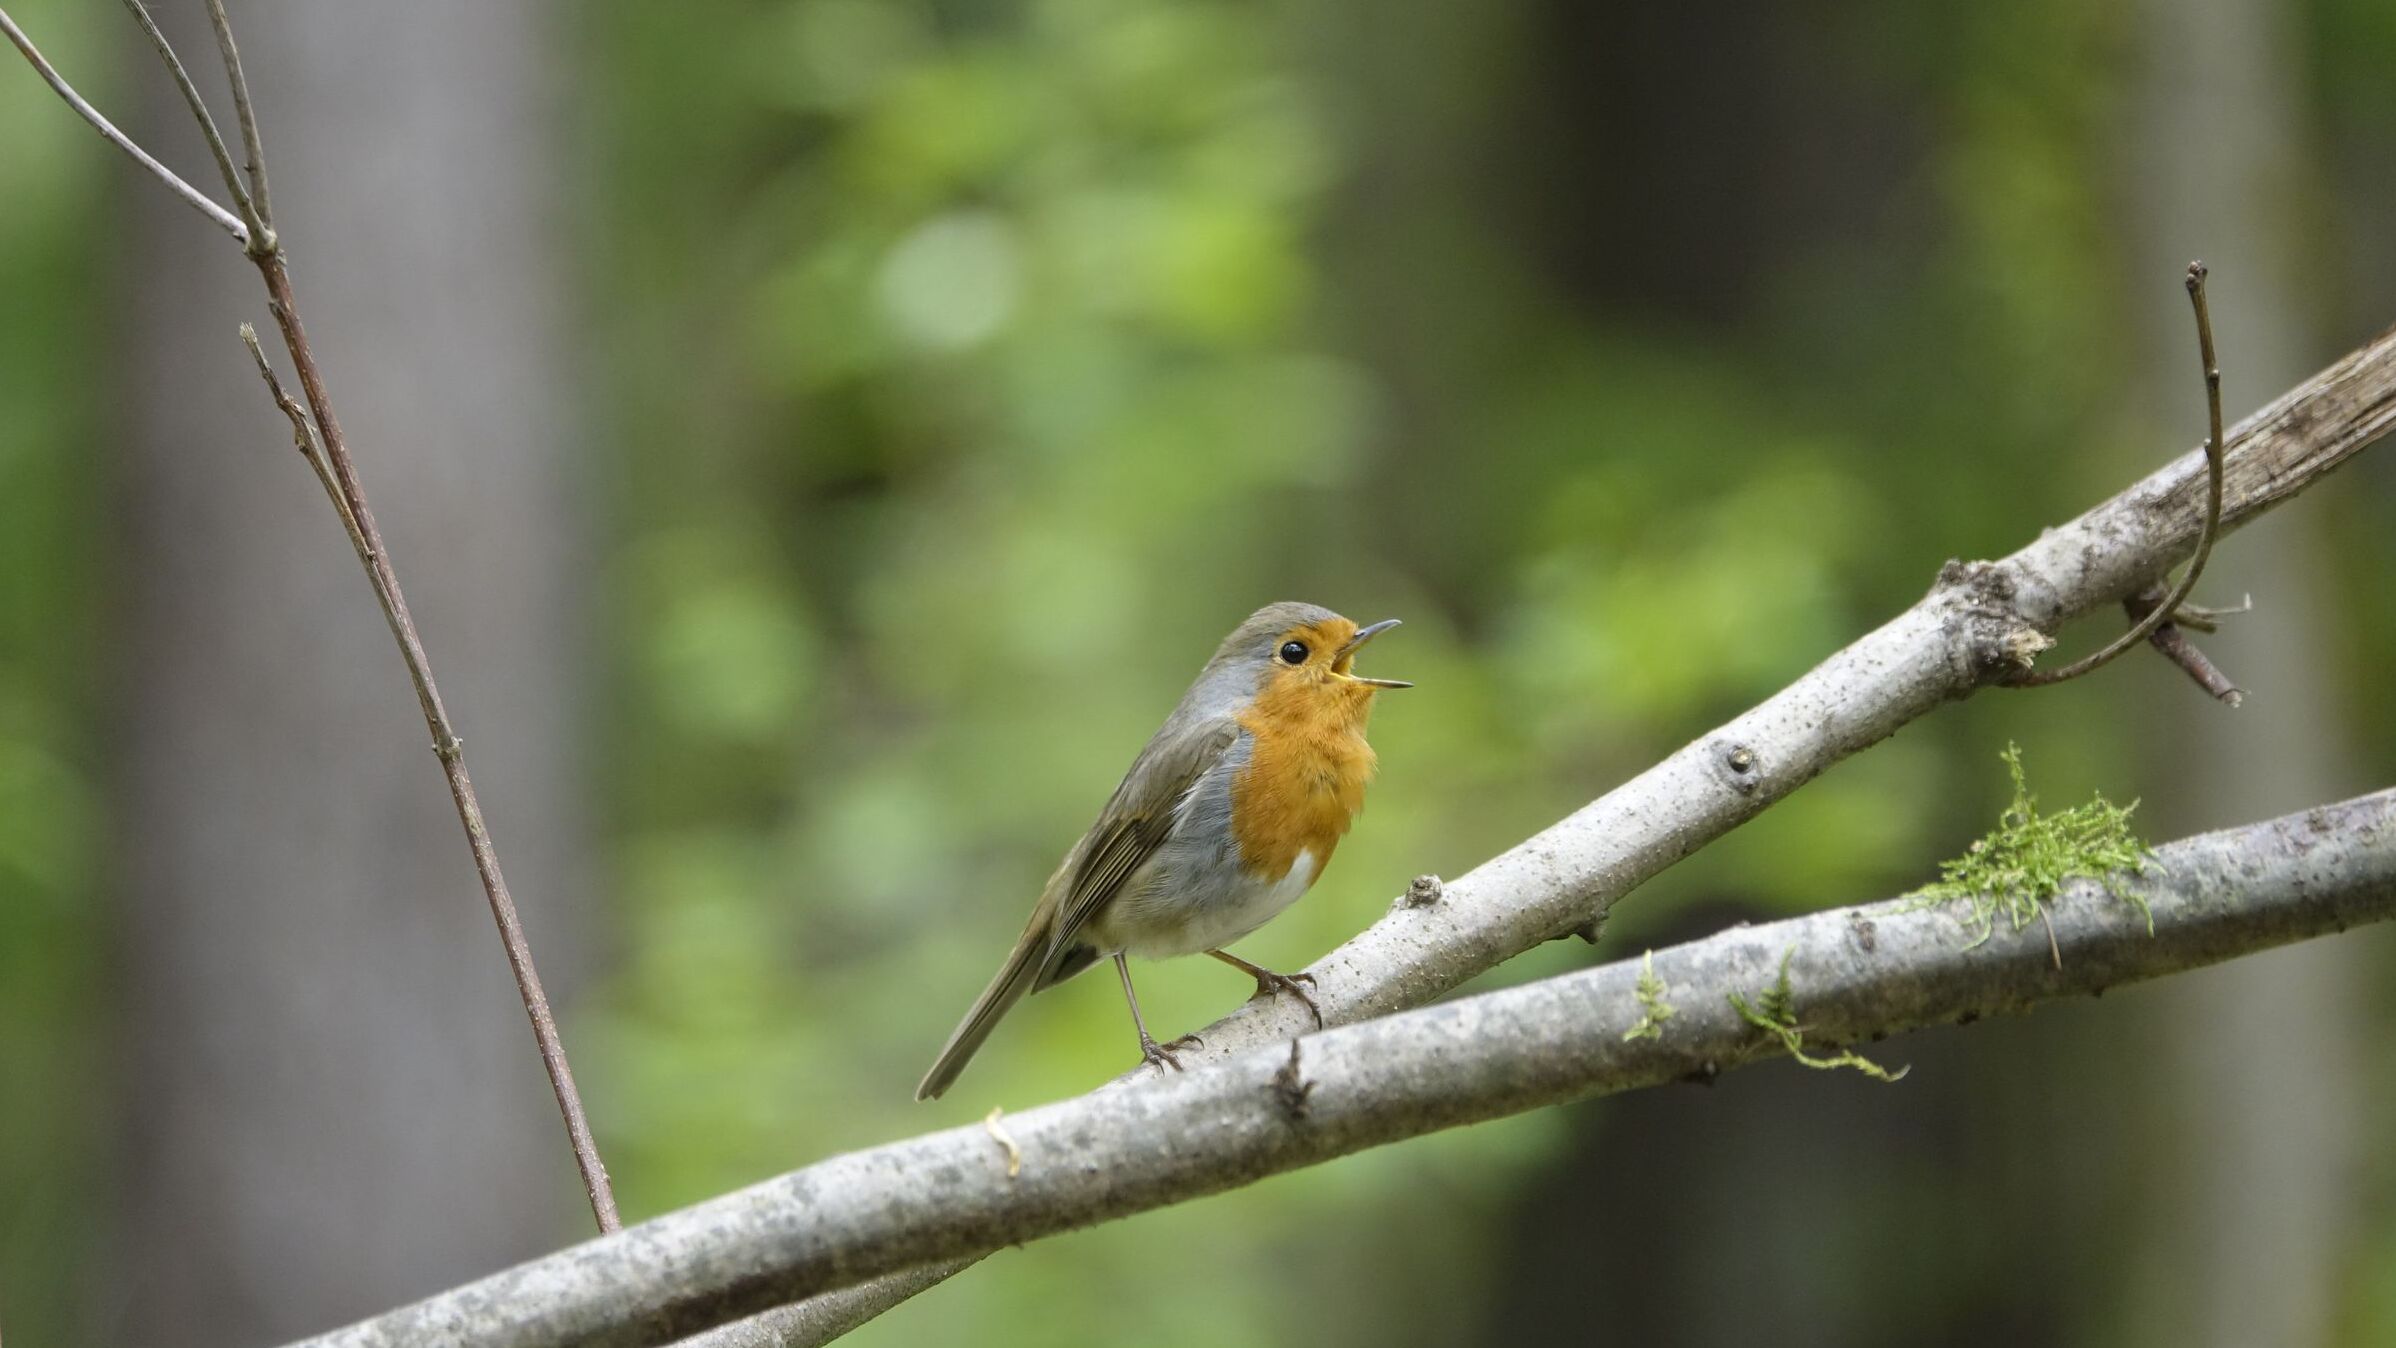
1293 652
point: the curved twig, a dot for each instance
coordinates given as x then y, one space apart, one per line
2162 612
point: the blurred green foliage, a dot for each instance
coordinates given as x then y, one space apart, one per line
53 1080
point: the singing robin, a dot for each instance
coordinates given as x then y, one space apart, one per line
1228 815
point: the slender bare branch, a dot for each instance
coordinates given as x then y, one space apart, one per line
199 200
1851 975
1979 624
245 115
199 114
327 452
446 745
338 471
2155 618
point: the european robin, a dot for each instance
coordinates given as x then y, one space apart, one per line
1228 815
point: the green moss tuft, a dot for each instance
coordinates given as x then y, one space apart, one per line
2014 872
1654 1010
1775 1013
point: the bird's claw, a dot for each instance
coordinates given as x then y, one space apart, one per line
1161 1056
1269 983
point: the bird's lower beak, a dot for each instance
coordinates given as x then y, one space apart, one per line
1339 662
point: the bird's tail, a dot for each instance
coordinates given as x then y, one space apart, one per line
1015 978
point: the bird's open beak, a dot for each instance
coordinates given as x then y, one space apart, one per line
1339 661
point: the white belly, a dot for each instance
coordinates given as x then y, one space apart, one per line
1188 913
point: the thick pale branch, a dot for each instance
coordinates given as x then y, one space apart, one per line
1855 974
1977 623
1981 624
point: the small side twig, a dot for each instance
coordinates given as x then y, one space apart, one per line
2200 618
198 200
2174 645
303 437
1292 1092
2162 613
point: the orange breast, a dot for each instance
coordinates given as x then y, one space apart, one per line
1305 777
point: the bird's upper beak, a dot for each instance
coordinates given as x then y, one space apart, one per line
1340 659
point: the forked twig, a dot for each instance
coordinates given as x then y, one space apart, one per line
198 199
2162 612
317 433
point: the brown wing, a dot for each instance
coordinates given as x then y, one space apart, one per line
1135 823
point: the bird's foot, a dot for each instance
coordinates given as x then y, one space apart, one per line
1269 983
1162 1056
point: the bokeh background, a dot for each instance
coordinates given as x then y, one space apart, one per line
821 437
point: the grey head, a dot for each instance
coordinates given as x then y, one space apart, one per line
1255 639
1247 657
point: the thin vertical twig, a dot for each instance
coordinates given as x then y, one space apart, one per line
198 200
243 113
327 452
199 113
2162 613
446 745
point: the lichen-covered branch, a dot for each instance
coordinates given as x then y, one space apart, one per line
1851 975
1981 624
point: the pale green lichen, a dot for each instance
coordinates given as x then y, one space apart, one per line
2014 872
1775 1013
1653 1009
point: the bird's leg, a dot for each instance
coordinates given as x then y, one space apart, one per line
1268 982
1161 1055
